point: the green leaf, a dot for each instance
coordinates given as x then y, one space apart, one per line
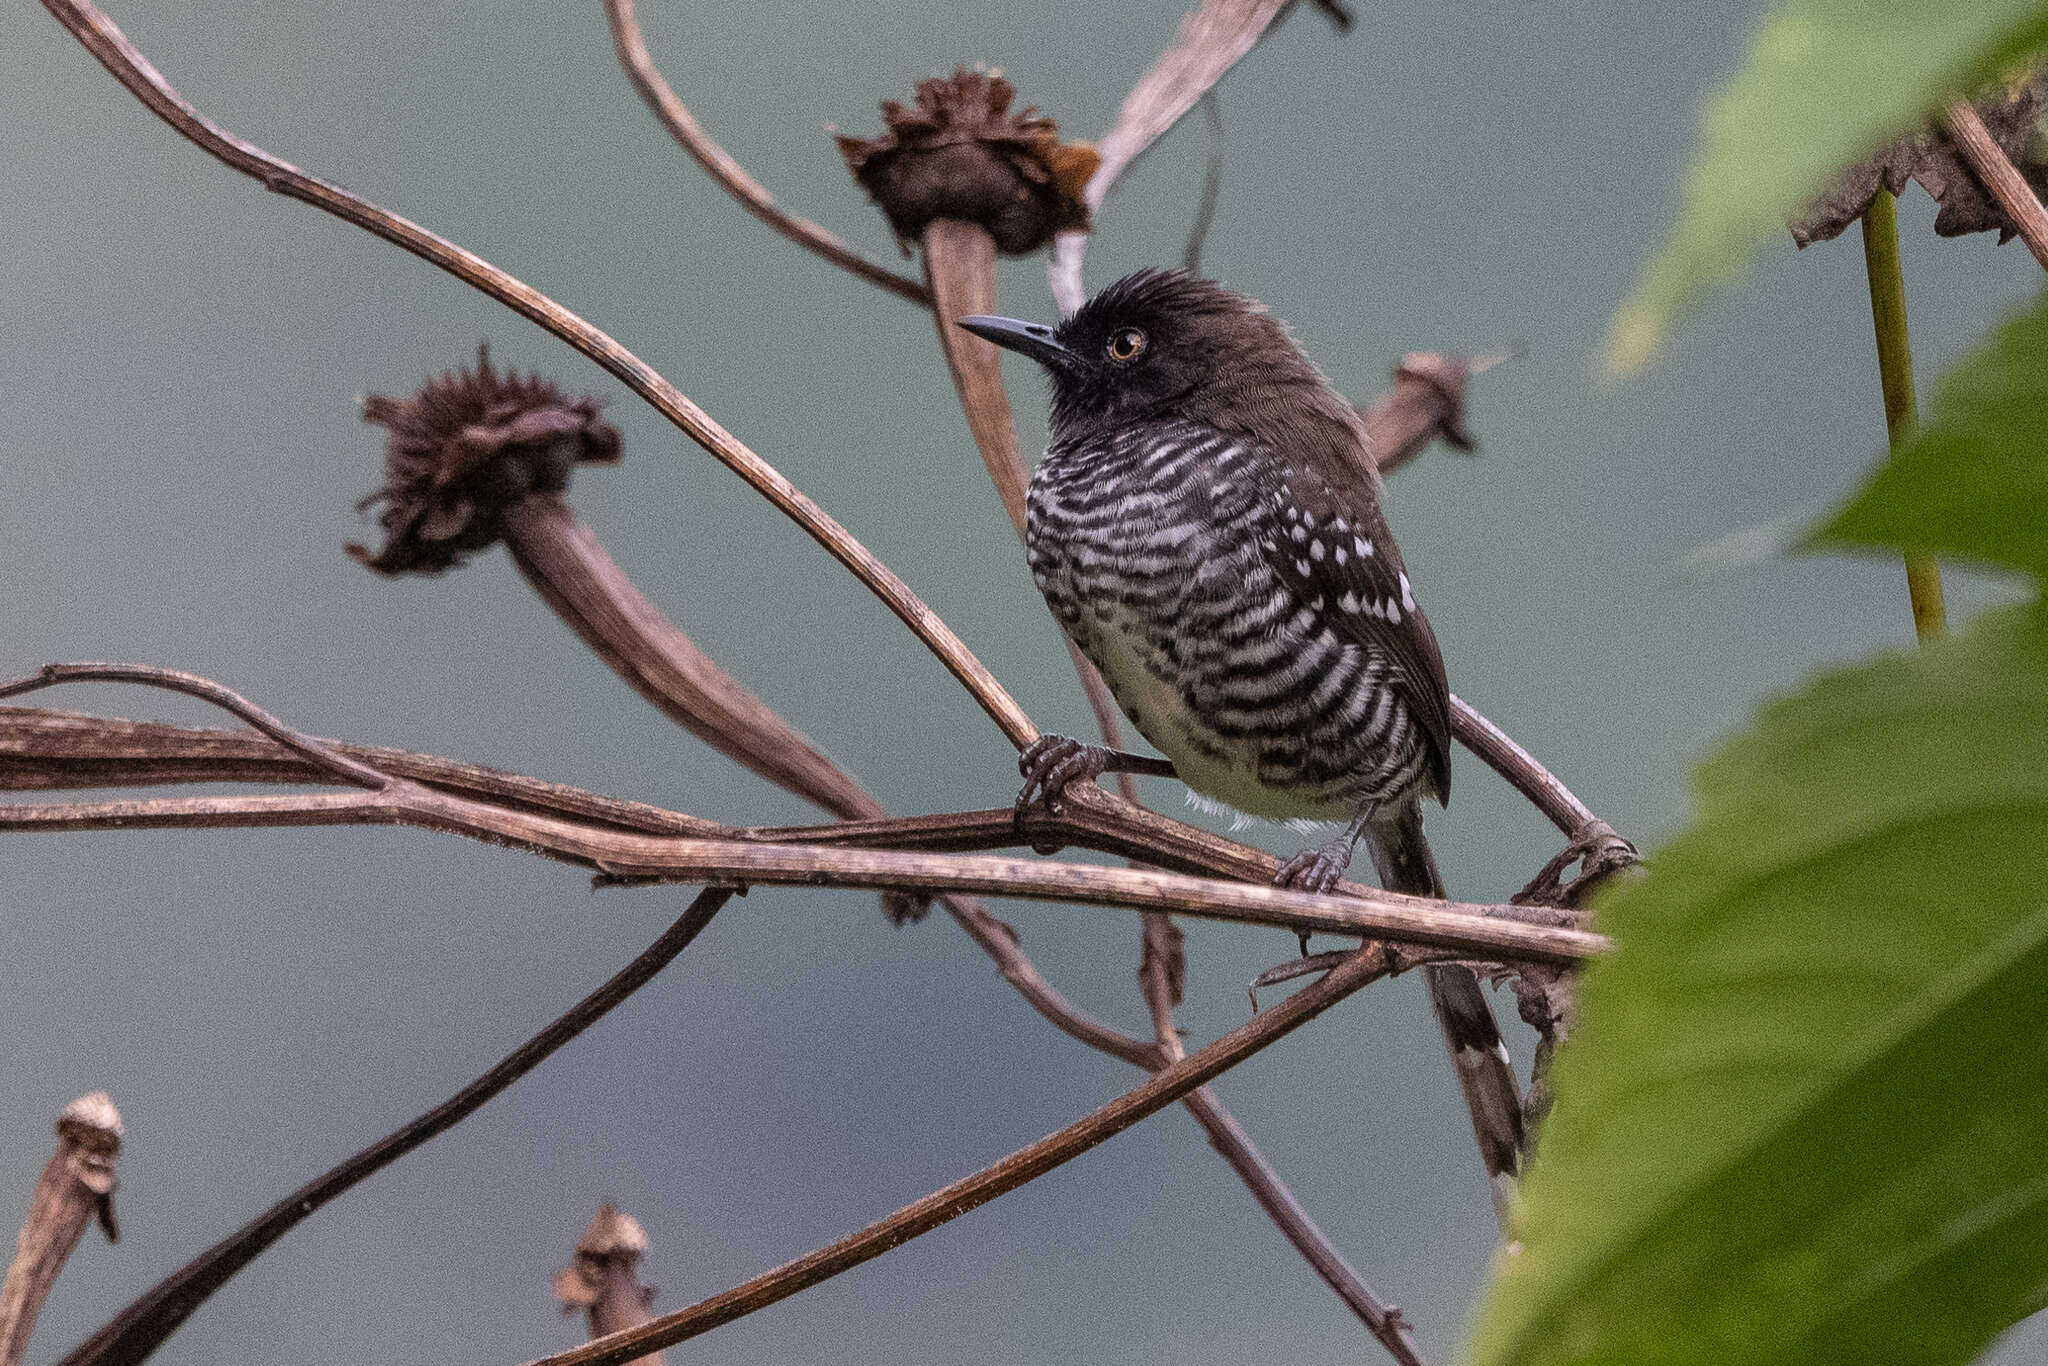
1805 1119
1824 83
1974 480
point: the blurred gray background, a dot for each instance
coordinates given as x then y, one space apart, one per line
181 354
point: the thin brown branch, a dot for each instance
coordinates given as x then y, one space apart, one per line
111 47
46 750
1487 933
1209 43
731 176
1500 753
999 942
77 1187
43 751
142 1327
1020 1167
2000 176
603 1279
1384 1321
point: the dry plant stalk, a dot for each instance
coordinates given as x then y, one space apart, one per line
77 1187
604 1278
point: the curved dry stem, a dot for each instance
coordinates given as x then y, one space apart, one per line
138 1330
1024 1165
330 760
733 177
1384 1321
111 47
1212 185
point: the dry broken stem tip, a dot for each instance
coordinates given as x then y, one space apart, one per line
604 1279
77 1187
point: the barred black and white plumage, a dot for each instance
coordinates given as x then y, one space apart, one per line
1174 555
1206 526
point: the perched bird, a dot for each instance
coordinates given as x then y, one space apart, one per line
1206 525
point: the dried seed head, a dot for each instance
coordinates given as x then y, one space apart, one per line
465 448
961 154
2012 111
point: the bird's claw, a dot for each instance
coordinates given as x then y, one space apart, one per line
1315 869
1050 763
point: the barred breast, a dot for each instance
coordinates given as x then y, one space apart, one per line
1153 548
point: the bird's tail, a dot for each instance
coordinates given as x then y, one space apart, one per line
1492 1095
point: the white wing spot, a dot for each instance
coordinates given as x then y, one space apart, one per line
1301 568
1363 546
1315 550
1298 534
1407 598
1342 554
1393 615
1349 602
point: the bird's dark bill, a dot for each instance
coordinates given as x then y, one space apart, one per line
1035 340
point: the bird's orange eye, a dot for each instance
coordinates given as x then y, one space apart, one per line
1126 344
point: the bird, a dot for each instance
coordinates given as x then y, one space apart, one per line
1206 526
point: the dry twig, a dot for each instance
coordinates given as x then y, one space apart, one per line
77 1187
142 1327
1024 1165
733 177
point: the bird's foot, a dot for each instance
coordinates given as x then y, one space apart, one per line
1050 763
1317 868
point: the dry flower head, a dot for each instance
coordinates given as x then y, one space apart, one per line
960 153
466 447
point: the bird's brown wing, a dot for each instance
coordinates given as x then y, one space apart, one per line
1330 542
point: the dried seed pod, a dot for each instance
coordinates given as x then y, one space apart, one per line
2012 111
960 153
463 450
604 1279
